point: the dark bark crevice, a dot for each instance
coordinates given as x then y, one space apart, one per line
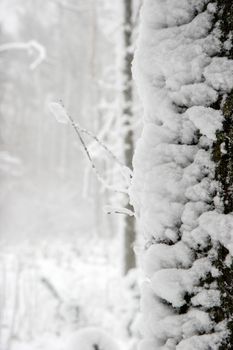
223 158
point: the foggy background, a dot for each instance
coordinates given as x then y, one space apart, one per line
62 258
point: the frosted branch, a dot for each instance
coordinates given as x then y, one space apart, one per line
61 115
28 46
108 209
111 154
125 171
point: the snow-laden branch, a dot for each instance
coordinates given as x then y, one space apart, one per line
125 171
29 46
108 209
59 112
94 137
103 132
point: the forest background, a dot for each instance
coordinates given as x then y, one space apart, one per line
63 259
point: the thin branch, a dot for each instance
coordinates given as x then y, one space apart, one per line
137 16
126 172
51 288
28 46
108 209
98 175
112 155
103 132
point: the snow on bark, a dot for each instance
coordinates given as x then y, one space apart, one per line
181 76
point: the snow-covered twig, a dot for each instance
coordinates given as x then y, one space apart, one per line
29 46
125 171
103 132
108 209
112 155
60 113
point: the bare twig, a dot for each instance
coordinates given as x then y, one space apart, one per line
51 288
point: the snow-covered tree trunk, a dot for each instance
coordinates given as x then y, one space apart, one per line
182 186
129 227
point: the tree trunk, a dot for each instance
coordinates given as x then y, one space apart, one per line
129 260
183 177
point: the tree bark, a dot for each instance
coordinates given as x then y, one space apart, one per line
172 97
129 260
224 175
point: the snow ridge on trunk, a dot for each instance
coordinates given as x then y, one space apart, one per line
181 76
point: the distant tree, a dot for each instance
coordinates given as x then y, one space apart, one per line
129 234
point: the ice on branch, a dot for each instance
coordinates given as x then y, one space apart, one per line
59 112
108 209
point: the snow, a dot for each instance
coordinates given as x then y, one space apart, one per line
52 291
161 256
206 120
207 298
219 74
61 281
204 342
173 284
173 187
219 227
92 338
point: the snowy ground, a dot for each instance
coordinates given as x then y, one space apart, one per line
50 291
